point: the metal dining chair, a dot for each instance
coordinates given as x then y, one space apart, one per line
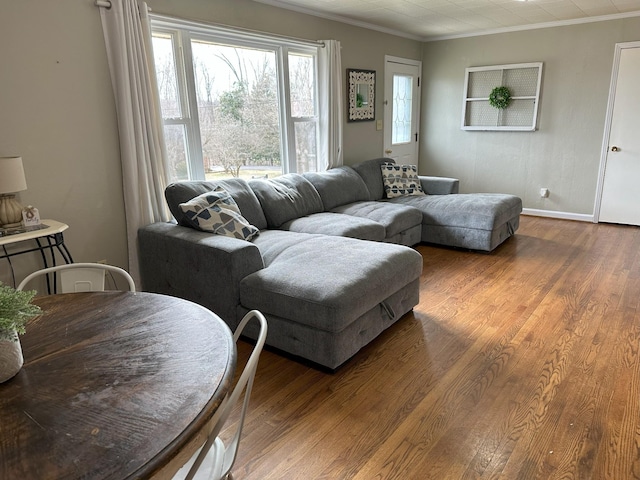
213 461
81 277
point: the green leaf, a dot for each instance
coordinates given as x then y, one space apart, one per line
16 308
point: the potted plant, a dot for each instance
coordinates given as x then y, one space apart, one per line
15 310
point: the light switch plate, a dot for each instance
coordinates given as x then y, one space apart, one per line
378 124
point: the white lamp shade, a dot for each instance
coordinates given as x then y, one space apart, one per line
12 175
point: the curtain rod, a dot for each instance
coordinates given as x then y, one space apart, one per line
107 4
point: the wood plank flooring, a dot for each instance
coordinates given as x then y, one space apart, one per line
519 364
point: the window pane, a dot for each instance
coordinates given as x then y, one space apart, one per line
237 97
174 137
166 74
401 115
306 156
302 85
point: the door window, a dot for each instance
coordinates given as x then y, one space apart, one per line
401 127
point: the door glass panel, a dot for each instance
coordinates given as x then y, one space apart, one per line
401 109
237 97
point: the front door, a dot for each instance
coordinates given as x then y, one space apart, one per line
401 109
620 201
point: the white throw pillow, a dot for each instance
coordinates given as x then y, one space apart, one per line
217 212
400 180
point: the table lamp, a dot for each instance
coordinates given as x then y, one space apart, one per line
11 180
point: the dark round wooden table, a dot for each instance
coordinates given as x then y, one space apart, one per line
114 386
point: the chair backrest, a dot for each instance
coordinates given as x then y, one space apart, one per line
220 458
81 277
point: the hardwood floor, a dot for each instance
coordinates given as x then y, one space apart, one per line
519 364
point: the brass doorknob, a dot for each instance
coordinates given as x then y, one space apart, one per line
388 151
615 149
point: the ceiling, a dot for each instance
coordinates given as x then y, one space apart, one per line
440 19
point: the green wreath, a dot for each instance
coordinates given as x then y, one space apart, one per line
500 97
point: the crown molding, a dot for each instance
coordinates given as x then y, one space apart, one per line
337 18
536 26
340 19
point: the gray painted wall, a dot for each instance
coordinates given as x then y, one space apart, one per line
564 153
57 112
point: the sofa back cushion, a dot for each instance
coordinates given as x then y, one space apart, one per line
182 192
286 197
370 172
338 186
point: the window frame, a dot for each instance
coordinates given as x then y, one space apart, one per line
183 32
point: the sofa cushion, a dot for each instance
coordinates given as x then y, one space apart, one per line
330 223
400 180
483 211
338 186
286 197
181 192
369 171
218 213
323 281
333 349
394 218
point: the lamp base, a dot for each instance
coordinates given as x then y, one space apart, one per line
10 212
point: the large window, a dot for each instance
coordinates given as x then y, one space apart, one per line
235 104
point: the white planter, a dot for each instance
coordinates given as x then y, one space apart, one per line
10 356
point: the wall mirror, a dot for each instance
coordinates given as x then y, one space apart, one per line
361 85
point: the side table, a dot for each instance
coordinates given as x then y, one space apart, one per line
48 236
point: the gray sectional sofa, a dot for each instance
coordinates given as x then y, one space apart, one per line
332 265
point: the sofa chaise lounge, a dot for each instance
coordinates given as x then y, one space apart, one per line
331 267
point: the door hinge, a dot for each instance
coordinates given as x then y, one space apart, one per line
416 137
418 81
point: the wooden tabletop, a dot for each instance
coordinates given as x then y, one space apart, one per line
114 385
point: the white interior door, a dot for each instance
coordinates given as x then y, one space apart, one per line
620 202
401 109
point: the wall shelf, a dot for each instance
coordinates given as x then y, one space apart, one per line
523 81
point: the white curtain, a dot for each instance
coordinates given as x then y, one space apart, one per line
331 104
127 35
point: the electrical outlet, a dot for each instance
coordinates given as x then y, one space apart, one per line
544 193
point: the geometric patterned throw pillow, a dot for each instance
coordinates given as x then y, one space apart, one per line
218 212
400 180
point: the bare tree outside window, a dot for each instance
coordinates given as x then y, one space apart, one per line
174 133
303 110
234 126
237 95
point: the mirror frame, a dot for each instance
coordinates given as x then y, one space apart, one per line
357 77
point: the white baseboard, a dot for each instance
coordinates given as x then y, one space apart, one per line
581 217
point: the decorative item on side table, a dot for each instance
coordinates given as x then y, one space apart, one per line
361 87
30 216
15 310
12 180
